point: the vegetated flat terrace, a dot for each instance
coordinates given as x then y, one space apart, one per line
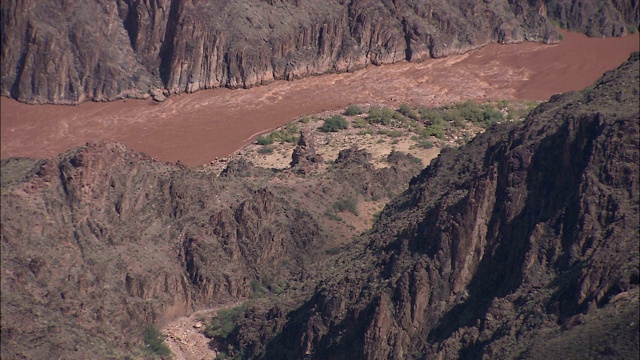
197 128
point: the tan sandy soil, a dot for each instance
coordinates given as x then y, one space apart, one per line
185 338
197 128
330 144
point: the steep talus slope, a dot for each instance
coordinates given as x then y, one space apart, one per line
526 236
101 241
68 52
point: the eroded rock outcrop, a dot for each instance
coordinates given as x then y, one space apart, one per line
304 157
103 241
69 52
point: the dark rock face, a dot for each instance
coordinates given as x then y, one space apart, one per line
526 236
68 52
102 241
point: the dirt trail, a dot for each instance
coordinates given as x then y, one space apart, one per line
197 128
184 335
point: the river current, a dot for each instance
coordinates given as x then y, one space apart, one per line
197 128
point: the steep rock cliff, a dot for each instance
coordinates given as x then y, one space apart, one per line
68 52
527 235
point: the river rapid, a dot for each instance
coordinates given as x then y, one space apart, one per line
197 128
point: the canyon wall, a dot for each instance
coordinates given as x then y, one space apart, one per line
521 244
101 241
102 50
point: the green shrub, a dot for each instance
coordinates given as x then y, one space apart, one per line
334 124
491 116
284 136
426 144
360 123
431 115
435 130
154 341
469 110
391 133
304 119
518 111
278 287
265 150
265 140
347 204
353 110
288 134
382 116
408 112
225 322
292 128
459 123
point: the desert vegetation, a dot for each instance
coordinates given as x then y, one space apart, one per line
334 123
154 341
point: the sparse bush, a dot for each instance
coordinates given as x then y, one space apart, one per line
265 150
265 140
426 144
408 112
391 133
154 341
304 119
292 128
353 110
267 281
459 123
382 116
470 110
332 251
257 290
518 111
491 116
331 214
288 134
278 287
431 115
334 124
360 123
435 130
347 204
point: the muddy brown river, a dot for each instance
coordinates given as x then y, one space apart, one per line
197 128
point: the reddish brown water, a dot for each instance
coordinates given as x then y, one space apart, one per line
197 128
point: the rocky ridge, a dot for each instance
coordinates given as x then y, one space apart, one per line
67 53
521 244
101 242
